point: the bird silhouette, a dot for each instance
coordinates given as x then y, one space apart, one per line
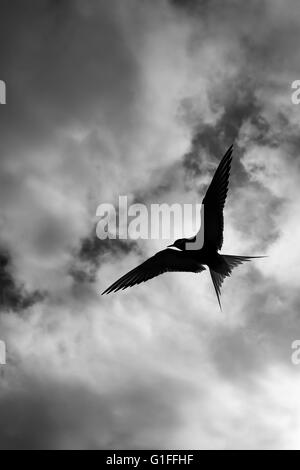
191 254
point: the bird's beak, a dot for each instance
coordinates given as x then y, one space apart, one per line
170 246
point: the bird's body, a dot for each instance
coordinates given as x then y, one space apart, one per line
190 255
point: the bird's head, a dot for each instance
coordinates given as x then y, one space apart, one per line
180 244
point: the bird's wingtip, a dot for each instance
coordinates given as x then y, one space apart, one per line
105 292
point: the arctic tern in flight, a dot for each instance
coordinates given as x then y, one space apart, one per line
190 254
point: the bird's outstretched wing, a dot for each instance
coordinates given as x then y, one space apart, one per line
214 202
163 261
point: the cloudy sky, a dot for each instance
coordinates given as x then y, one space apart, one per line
142 98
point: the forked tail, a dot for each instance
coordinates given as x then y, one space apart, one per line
224 269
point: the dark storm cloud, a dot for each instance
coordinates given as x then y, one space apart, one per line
58 70
93 252
239 104
216 8
12 295
57 415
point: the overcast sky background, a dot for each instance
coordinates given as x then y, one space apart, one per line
142 98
